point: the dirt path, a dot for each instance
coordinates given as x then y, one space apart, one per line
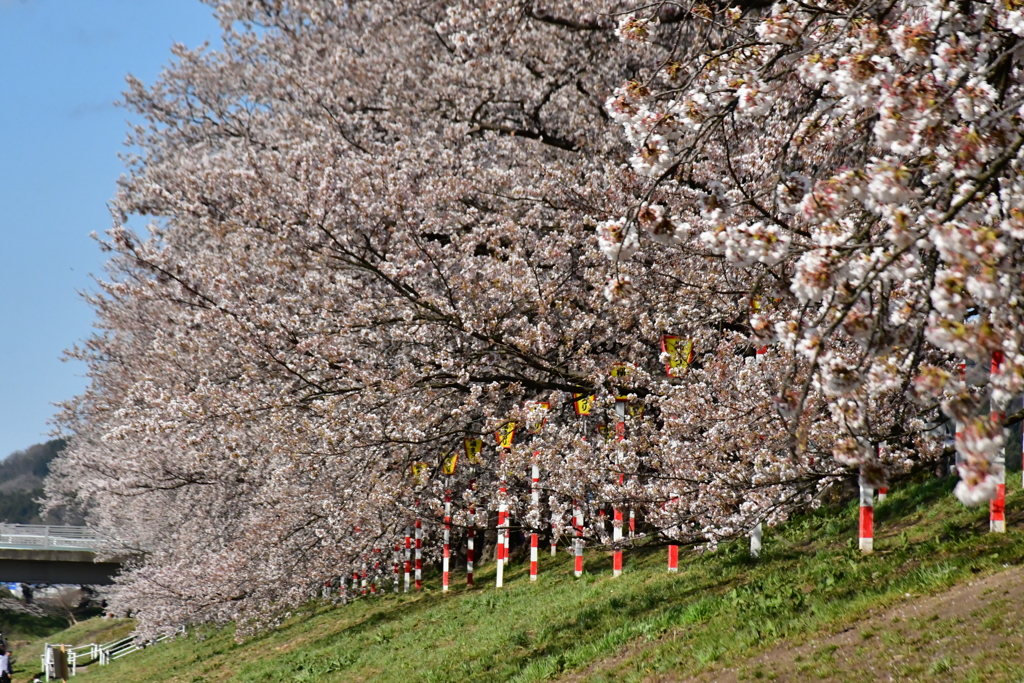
974 632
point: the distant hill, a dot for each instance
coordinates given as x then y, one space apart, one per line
21 482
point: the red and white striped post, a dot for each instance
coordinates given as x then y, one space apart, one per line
504 435
502 521
408 557
470 535
757 532
867 519
397 559
376 571
508 533
959 435
957 441
535 500
554 540
582 404
620 430
616 538
632 523
447 540
883 491
673 550
355 581
533 557
363 582
577 523
997 506
419 554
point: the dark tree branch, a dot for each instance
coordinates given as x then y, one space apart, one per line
552 140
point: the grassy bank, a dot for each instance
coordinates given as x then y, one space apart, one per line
28 651
721 610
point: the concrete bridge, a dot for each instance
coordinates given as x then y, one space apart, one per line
31 553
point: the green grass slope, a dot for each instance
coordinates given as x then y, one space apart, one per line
720 612
28 650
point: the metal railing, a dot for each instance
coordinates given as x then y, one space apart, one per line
48 537
94 653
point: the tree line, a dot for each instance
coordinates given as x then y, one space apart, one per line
759 242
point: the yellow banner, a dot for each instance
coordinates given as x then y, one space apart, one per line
536 415
583 404
505 434
473 448
635 408
419 472
448 463
620 371
680 354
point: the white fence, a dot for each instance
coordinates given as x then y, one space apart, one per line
96 654
45 537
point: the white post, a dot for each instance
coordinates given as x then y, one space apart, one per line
755 540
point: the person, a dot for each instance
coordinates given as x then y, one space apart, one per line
5 666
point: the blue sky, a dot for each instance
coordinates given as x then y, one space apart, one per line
62 67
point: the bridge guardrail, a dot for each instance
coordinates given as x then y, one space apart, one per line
49 537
